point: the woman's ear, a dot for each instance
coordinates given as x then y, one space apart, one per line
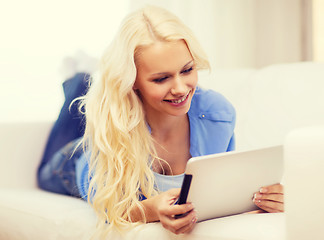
137 92
135 87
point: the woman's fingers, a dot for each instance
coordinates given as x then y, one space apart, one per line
270 198
276 188
178 225
177 209
255 211
270 206
166 210
189 227
171 195
181 225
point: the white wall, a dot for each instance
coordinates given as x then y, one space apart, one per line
36 35
318 30
242 33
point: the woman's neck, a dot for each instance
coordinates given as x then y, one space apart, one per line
172 144
164 128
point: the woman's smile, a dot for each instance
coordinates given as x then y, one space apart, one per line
178 102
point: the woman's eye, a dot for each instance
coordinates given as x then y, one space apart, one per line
159 80
187 70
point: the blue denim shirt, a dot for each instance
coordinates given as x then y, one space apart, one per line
212 120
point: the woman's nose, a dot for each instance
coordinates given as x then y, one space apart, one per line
179 87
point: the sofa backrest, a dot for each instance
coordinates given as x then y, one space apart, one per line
269 102
21 147
272 101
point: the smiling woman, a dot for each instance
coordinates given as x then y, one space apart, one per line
145 117
136 124
167 99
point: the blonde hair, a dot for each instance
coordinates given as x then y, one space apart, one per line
122 149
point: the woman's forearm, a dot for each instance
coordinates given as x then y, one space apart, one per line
149 211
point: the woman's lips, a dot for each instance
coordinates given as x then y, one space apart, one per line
179 100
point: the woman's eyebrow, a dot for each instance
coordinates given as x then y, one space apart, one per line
187 63
164 73
161 73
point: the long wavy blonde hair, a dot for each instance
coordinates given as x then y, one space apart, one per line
122 149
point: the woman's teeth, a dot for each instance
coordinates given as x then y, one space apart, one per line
179 100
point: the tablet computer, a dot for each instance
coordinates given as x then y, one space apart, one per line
223 184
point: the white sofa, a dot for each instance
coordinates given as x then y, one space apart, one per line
270 103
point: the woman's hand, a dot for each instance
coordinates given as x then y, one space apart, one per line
165 210
270 198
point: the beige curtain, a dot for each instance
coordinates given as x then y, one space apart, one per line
246 33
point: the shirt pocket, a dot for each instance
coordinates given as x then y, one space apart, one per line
221 116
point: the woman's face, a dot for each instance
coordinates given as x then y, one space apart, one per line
166 78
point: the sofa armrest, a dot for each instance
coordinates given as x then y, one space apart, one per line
21 147
304 181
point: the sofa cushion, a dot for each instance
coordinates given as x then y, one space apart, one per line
282 98
21 145
35 214
271 101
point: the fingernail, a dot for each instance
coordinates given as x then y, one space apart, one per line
194 214
194 219
263 190
256 196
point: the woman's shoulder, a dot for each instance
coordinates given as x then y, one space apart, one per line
207 102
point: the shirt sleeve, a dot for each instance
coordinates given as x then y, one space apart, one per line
212 122
82 173
231 145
